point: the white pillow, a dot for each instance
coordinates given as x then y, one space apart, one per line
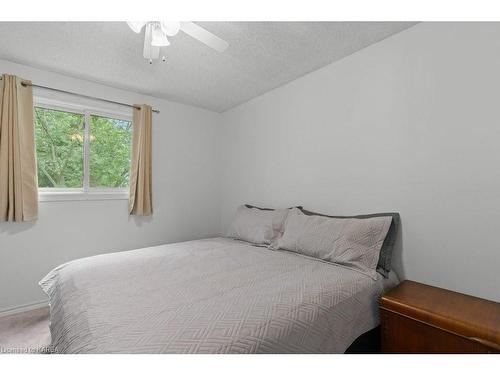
351 242
257 226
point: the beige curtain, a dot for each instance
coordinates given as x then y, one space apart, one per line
18 177
140 198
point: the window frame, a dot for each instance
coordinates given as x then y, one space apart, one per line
86 192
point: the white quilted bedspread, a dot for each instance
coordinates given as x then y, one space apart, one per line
208 296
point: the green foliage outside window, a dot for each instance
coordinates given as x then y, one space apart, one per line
59 148
109 152
60 145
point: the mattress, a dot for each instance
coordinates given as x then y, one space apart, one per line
213 295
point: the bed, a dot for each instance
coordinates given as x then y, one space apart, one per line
216 295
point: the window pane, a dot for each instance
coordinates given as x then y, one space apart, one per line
59 148
109 152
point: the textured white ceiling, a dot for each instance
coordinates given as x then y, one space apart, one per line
260 57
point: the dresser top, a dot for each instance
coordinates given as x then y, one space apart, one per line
459 313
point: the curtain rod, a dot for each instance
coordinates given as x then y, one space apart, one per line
24 83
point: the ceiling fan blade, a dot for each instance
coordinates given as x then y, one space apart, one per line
204 36
136 26
150 52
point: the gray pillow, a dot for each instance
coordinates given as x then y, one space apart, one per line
257 226
352 242
385 258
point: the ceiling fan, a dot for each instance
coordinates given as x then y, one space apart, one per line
156 33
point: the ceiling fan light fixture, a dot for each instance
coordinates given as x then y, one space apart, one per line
170 28
159 38
156 33
136 26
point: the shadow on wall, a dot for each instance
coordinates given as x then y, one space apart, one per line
397 256
140 220
8 228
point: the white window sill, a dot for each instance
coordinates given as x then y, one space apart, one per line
80 195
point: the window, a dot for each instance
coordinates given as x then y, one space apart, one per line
81 153
59 148
109 152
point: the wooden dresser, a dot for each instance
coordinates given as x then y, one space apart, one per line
418 318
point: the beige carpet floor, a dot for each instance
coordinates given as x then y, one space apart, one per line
26 332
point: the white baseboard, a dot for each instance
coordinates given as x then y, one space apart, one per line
23 308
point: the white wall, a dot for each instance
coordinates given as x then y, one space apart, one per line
185 197
410 124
